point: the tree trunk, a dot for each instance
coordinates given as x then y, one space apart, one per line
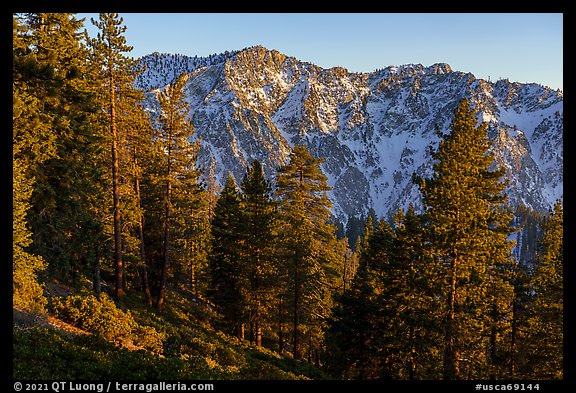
450 351
258 331
146 284
280 330
240 330
145 281
513 339
295 351
411 361
193 280
193 284
257 312
118 267
166 259
345 273
97 277
493 338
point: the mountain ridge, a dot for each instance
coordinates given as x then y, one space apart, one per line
373 129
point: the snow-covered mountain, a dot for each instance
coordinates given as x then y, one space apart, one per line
373 129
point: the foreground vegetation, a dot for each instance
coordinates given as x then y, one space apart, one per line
176 343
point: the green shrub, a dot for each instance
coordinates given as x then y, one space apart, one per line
27 291
149 338
100 315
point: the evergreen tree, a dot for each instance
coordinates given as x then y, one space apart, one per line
35 85
224 258
364 244
53 96
308 244
516 354
28 124
259 234
350 264
545 324
468 231
195 242
178 174
529 223
378 255
199 272
515 358
117 75
353 327
408 302
354 228
138 153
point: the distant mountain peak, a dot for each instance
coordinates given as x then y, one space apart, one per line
372 128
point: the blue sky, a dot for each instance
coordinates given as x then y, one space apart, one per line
523 47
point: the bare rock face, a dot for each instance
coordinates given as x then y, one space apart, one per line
373 129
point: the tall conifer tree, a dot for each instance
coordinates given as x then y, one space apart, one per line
308 246
117 76
178 174
259 234
353 329
545 323
409 302
56 84
224 258
29 150
138 153
468 230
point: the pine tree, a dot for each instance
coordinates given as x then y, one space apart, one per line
194 240
258 234
468 230
117 74
516 354
308 244
529 225
35 82
409 301
28 124
350 264
545 324
384 275
138 161
178 175
354 228
353 327
54 97
224 258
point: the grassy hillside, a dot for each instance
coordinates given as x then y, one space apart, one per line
84 337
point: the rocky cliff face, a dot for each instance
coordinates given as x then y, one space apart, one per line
373 129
